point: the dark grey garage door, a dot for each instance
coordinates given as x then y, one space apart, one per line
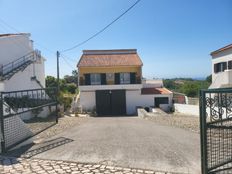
111 102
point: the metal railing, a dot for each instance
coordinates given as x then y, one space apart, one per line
26 113
216 130
30 57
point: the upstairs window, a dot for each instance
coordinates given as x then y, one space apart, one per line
124 78
230 64
220 67
95 79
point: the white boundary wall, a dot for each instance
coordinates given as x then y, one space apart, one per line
187 109
133 100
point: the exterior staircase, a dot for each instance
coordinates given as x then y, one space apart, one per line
8 70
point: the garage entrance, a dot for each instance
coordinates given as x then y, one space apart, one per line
160 100
111 102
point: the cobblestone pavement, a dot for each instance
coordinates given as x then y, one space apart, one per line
11 165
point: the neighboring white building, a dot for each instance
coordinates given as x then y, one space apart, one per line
222 67
21 66
110 83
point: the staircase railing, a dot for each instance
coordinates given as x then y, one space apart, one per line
32 56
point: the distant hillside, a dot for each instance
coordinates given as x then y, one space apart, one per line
188 86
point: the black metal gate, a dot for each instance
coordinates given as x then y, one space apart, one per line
216 130
111 102
26 113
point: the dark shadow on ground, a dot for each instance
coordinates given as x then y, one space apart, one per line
8 161
30 150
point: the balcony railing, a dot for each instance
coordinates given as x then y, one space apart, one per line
82 82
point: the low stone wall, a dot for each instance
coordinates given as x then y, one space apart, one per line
187 109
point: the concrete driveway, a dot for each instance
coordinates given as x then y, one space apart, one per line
130 142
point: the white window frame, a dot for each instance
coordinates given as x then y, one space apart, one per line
124 78
95 79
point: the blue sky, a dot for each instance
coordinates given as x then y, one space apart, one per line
173 37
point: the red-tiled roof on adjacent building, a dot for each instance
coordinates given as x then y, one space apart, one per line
221 49
145 91
102 58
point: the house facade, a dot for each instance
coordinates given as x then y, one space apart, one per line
21 66
110 83
222 67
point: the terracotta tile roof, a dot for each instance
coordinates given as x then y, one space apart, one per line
221 49
93 58
145 91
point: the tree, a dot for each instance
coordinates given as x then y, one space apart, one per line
73 78
51 81
209 78
190 89
65 87
71 88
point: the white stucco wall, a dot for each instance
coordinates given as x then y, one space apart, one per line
134 99
155 83
44 113
221 78
2 86
88 100
14 47
22 79
187 109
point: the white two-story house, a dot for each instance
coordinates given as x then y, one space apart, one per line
110 83
222 67
21 66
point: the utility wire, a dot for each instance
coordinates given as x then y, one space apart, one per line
65 59
4 24
103 29
17 31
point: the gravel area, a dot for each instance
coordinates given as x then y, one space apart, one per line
38 124
63 124
190 123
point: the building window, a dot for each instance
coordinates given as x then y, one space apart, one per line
95 79
124 78
220 67
230 64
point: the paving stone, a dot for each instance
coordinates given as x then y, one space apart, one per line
140 171
96 166
118 173
126 169
28 166
85 171
76 172
110 167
